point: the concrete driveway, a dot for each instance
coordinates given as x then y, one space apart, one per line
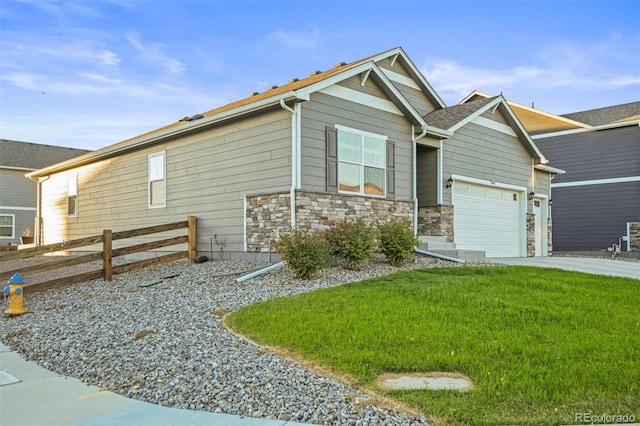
621 268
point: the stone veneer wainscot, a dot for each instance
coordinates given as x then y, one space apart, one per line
269 215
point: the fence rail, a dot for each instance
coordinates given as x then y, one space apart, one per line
106 255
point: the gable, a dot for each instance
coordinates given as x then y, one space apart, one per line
410 82
296 91
535 121
481 111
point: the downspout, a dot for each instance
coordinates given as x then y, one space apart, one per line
439 196
294 159
415 175
37 231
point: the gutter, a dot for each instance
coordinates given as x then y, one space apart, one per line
414 147
587 129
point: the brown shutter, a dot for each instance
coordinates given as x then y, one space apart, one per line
332 159
391 169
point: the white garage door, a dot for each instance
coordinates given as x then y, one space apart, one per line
487 218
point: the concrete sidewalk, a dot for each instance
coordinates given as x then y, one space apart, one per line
592 265
31 395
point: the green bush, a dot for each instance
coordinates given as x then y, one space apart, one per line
352 242
397 240
305 254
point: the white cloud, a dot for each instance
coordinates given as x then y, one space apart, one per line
297 39
564 65
154 54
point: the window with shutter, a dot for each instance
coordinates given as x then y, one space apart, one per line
359 162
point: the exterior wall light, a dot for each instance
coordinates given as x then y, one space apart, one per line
449 182
550 202
532 195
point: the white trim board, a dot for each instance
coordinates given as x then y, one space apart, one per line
588 129
17 208
361 98
486 182
494 125
399 78
596 182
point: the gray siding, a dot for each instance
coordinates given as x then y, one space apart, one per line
427 172
593 217
594 155
17 196
16 189
479 152
543 182
324 110
207 175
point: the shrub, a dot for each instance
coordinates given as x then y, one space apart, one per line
305 254
397 240
352 242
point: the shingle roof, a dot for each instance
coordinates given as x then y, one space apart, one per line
448 117
607 115
28 155
294 84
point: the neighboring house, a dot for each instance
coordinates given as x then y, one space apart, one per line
18 194
597 202
370 138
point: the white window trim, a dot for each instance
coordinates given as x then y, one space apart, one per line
13 226
162 154
73 177
361 163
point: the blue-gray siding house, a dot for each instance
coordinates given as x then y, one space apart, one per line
18 194
599 196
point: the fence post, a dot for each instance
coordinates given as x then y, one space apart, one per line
192 235
106 254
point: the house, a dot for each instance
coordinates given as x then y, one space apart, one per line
596 204
370 138
18 194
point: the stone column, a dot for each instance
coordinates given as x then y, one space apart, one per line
634 236
531 235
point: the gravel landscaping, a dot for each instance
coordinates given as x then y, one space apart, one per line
166 344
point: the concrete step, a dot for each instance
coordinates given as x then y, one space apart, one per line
433 238
430 243
437 245
466 255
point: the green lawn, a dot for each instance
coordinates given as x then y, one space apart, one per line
539 344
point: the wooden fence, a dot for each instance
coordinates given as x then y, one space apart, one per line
106 255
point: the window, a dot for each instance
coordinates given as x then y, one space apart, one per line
361 162
72 196
157 187
7 225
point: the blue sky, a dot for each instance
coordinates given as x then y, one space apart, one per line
90 73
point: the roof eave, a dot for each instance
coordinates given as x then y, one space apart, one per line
553 170
142 141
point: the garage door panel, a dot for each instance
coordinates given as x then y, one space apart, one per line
487 218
